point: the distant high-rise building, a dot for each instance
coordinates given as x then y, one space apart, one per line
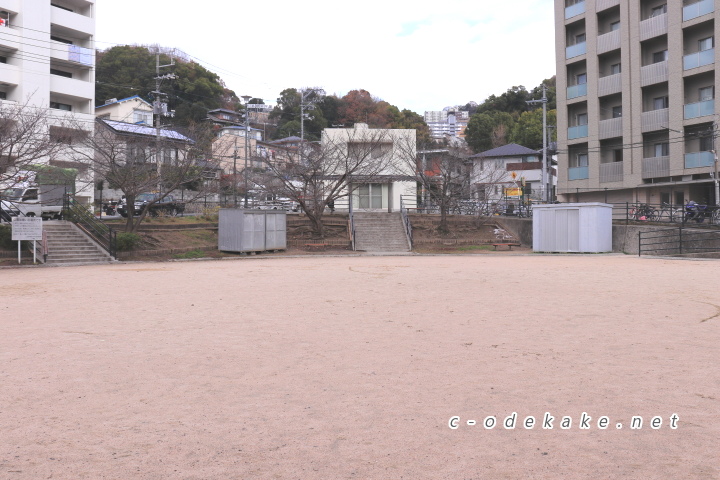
450 121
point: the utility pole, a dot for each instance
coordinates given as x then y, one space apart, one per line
234 179
160 109
247 145
545 170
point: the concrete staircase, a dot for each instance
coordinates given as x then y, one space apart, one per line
380 232
68 244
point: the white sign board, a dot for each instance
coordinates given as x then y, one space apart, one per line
27 228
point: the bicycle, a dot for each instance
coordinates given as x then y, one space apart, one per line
643 213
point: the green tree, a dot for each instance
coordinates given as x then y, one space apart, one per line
488 130
527 131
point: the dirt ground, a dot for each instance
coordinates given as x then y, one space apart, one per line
354 367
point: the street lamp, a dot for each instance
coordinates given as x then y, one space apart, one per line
247 131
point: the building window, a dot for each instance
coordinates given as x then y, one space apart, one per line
615 26
705 44
580 38
3 96
660 56
662 149
660 103
706 93
615 69
3 59
618 155
706 143
580 159
61 106
60 73
60 6
581 79
617 111
140 116
61 40
582 118
659 10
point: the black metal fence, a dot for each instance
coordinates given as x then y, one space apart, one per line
664 213
678 241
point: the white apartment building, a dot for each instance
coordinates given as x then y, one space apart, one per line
47 58
447 122
636 110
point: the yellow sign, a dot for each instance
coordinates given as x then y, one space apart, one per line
513 192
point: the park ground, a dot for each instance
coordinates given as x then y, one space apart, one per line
322 367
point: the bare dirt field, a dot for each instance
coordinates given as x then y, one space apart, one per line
354 367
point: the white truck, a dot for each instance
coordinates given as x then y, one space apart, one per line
36 193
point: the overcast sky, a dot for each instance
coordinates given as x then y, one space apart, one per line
421 55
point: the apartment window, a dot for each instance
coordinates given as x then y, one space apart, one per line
660 103
659 10
615 26
706 93
706 144
580 38
662 149
618 155
60 73
140 116
705 44
581 79
581 160
61 40
617 111
660 56
582 118
3 96
61 106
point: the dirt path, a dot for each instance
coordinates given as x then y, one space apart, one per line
352 367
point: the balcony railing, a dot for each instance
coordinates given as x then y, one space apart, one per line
699 109
695 60
610 128
576 50
611 172
578 173
574 10
579 131
655 167
654 27
608 41
610 85
73 53
655 120
601 5
654 73
575 91
697 9
699 159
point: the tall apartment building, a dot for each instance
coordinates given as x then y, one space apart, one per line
636 82
450 121
47 58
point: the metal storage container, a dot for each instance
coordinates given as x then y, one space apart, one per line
572 227
242 230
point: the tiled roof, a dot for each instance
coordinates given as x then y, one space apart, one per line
144 130
509 150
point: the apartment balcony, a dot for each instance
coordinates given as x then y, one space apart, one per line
611 172
10 75
697 9
578 173
654 27
78 56
574 10
699 109
9 39
695 60
580 131
655 120
655 167
699 159
610 85
601 5
610 128
576 50
576 91
78 89
73 21
608 42
655 73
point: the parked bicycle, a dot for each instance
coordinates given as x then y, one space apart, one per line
643 213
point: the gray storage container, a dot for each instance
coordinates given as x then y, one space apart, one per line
572 227
242 230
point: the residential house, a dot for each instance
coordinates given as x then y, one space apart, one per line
129 110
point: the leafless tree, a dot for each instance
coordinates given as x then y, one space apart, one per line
28 135
135 160
322 173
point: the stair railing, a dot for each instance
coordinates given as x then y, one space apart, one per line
351 224
103 235
406 222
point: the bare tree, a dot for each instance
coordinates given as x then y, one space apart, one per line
321 174
135 160
28 136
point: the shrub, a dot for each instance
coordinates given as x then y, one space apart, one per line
128 241
6 237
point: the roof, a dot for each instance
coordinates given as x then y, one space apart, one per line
144 130
288 140
124 100
225 110
509 150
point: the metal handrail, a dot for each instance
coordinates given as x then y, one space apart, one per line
105 236
678 240
351 221
406 222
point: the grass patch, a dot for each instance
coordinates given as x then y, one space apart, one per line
463 248
191 254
